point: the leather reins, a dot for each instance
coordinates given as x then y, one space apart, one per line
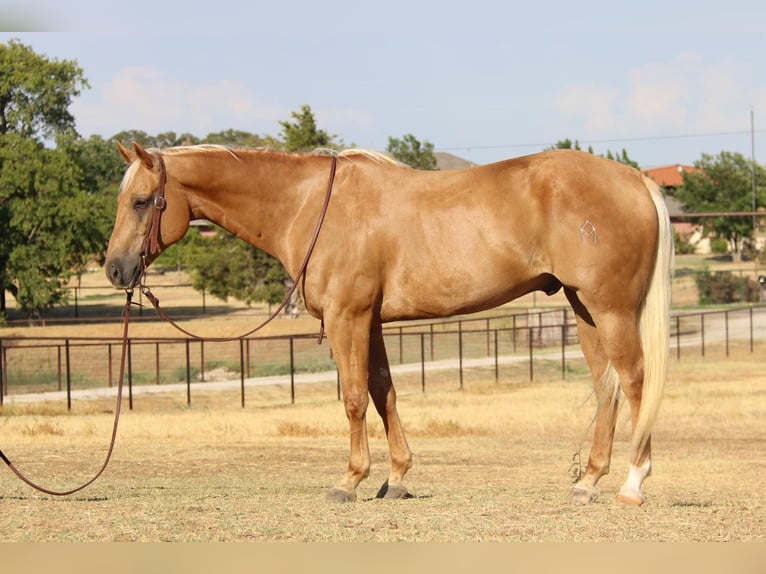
151 247
117 408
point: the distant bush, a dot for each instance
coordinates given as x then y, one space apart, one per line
725 287
719 246
683 245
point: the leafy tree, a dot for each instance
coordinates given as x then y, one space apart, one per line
226 267
302 134
140 137
567 144
45 216
411 152
35 92
236 138
621 157
724 184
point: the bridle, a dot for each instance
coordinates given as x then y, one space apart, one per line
151 247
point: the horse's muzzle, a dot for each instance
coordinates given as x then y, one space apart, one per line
123 276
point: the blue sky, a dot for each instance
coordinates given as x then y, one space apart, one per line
484 80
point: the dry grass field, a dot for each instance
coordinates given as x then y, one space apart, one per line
493 462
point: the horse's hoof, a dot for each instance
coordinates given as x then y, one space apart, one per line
630 497
584 494
393 492
340 496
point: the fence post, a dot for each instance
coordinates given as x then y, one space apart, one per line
531 365
242 369
726 320
497 366
751 326
292 372
460 351
188 374
130 374
678 337
702 332
422 362
58 367
563 353
68 379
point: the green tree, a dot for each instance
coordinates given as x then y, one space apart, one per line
724 184
410 151
45 216
302 134
621 157
226 266
236 138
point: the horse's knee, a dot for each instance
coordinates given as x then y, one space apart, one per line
356 405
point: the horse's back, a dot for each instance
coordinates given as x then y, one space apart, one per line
435 244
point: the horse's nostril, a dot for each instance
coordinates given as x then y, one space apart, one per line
115 276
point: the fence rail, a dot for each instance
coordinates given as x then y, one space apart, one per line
539 344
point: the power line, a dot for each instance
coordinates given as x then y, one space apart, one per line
605 141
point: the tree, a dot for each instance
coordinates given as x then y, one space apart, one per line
45 216
35 92
303 134
724 184
226 266
236 138
411 152
621 157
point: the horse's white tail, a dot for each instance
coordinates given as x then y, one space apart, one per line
654 323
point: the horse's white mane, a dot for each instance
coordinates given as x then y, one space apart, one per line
350 153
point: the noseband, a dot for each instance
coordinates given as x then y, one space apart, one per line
151 245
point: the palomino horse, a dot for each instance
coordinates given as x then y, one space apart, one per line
398 243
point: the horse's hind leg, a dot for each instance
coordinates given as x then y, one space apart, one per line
621 340
384 397
606 388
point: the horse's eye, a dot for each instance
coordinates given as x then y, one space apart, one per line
141 203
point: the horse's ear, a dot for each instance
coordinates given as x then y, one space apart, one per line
144 156
127 155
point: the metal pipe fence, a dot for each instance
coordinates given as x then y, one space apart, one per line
537 345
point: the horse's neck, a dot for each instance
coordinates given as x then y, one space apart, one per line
257 196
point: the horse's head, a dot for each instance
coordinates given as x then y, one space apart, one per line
131 247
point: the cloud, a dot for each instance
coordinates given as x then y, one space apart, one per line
684 94
149 99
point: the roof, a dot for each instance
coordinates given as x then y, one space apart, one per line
446 160
670 175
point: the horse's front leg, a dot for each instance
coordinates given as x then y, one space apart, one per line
350 341
384 397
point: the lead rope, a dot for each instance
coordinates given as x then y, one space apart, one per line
117 408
